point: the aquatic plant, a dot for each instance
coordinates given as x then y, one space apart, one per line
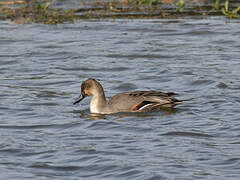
38 12
146 2
180 5
44 6
216 5
230 13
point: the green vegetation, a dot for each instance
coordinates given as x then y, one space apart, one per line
180 5
230 13
38 12
146 2
216 5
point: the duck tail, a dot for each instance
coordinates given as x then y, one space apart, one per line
183 101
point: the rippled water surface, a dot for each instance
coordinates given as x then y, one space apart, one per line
43 136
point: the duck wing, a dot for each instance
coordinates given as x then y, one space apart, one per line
153 99
142 100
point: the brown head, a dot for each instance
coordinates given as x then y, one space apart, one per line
90 87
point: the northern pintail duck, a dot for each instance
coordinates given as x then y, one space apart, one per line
136 101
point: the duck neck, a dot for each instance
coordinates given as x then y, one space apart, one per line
98 101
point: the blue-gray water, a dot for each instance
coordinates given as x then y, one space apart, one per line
44 137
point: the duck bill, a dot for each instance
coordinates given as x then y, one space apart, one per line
81 97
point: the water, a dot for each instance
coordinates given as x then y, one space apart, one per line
43 136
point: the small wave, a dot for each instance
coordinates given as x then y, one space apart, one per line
186 134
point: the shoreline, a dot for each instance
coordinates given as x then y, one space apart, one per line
49 12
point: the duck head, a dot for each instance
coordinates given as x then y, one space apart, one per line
90 87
